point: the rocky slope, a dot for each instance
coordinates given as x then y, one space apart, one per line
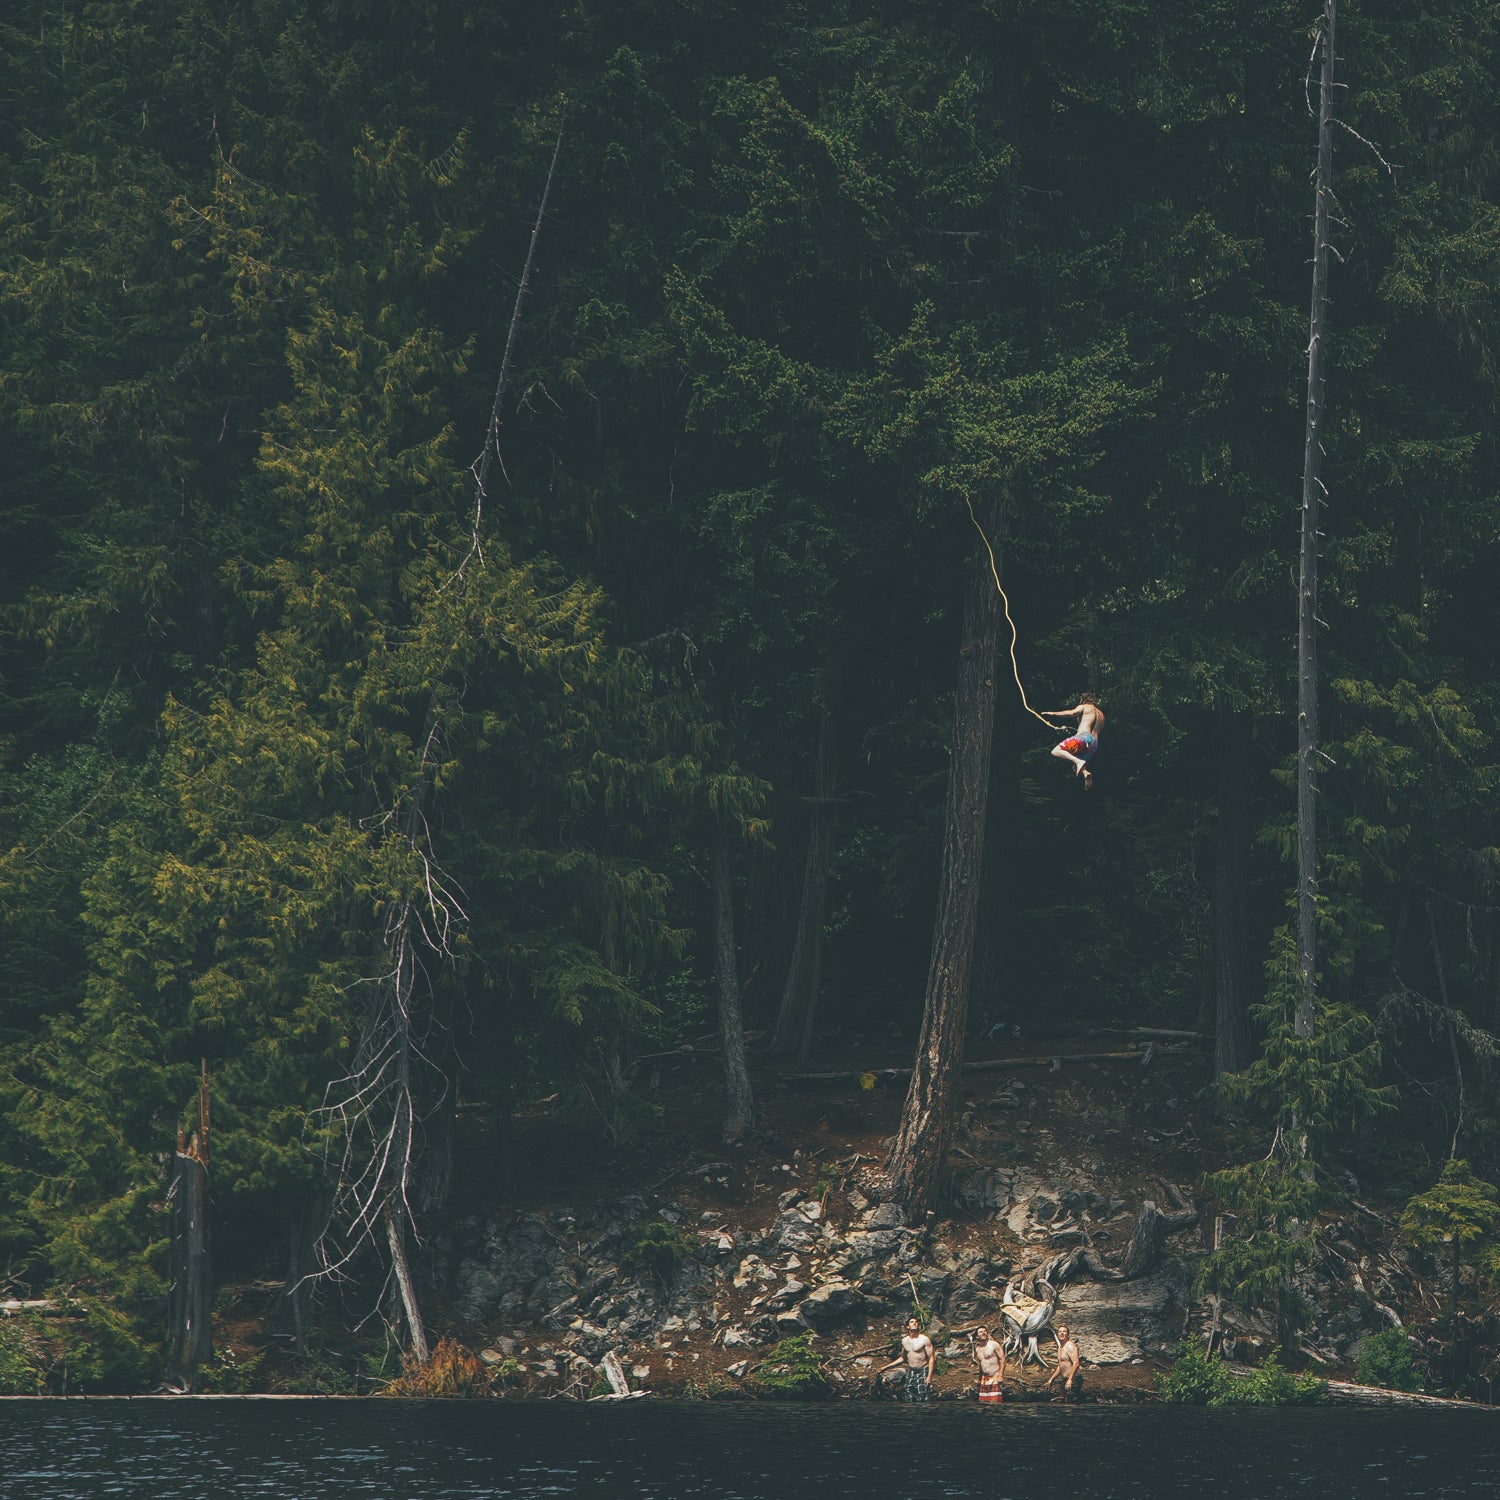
691 1263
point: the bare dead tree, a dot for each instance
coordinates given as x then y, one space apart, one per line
375 1111
1307 585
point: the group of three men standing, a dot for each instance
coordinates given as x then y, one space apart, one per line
920 1358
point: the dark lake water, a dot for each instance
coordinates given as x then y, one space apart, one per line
325 1450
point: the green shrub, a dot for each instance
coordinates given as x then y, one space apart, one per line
1271 1385
791 1371
20 1365
1386 1359
226 1374
657 1249
1198 1378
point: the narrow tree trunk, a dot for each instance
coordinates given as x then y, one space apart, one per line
190 1299
999 892
1231 897
409 1304
739 1104
799 998
1453 1053
1307 589
916 1164
1205 857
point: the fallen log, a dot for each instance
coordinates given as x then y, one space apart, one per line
43 1307
998 1065
1374 1395
1187 1036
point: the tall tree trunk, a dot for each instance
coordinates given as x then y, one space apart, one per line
739 1104
999 891
1205 856
927 1119
1307 588
799 999
190 1299
1231 896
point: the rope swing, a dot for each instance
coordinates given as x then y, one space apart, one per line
1005 604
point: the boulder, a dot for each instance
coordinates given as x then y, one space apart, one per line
1117 1321
884 1216
786 1294
828 1303
984 1190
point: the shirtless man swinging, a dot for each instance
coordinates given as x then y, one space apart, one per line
1079 747
991 1359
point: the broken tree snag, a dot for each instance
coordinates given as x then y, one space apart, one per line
412 1308
1144 1250
1152 1228
615 1374
190 1298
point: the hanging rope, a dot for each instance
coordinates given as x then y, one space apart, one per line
1005 603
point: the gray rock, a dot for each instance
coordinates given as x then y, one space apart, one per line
1117 1321
791 1322
827 1304
785 1295
885 1216
984 1190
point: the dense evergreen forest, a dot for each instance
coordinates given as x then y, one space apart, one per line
492 581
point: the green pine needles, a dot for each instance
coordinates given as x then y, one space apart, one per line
1309 1089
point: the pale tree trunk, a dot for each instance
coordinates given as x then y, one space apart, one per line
1307 588
739 1103
797 1014
396 1239
916 1164
1231 897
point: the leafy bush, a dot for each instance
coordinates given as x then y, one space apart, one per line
1271 1385
657 1250
20 1367
1198 1378
321 1377
791 1371
227 1374
451 1372
1386 1359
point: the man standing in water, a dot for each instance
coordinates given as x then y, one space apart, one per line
1079 747
1069 1364
991 1358
919 1357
